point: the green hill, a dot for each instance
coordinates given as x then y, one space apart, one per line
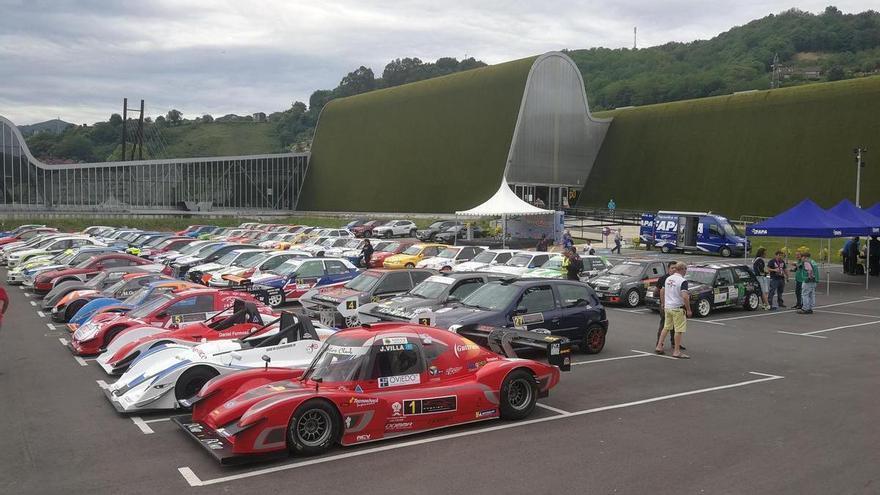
221 139
752 153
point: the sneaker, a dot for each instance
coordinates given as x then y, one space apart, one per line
808 312
773 308
782 305
766 307
798 306
801 312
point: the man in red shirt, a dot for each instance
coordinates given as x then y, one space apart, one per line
4 301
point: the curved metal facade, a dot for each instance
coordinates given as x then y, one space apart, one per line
556 140
254 182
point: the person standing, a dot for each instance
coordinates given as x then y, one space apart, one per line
852 256
808 286
575 265
618 238
567 241
588 248
874 259
543 243
799 276
677 306
661 291
367 253
778 275
4 301
844 254
759 265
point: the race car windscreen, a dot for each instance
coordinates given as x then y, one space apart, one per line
628 269
554 263
363 282
520 260
484 257
254 260
413 250
449 253
64 258
704 276
432 287
341 359
492 296
288 267
152 304
388 248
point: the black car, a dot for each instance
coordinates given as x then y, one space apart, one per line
565 308
627 282
716 285
433 293
427 234
449 235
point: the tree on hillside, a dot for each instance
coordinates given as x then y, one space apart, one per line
207 118
401 71
160 121
115 120
174 116
356 82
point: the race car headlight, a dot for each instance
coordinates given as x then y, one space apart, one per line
740 244
614 287
86 332
453 328
161 386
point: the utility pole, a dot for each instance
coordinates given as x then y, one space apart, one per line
140 133
859 152
124 121
776 69
138 144
635 45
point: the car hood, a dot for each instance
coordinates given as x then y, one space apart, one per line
460 315
336 294
405 306
543 273
611 278
471 266
234 408
512 270
58 273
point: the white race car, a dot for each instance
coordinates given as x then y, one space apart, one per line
161 378
520 263
486 259
449 257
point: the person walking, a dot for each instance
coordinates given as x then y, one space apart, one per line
808 286
588 248
874 259
543 244
677 306
661 291
567 241
618 238
778 276
799 276
4 301
575 265
367 253
759 265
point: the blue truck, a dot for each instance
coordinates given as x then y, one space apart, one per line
685 231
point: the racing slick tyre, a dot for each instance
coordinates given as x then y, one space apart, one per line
368 233
409 265
275 300
72 308
725 252
314 428
704 307
594 340
752 302
519 393
192 380
633 298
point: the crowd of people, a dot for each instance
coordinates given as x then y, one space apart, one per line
774 274
853 251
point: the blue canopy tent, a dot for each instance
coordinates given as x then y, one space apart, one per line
870 225
807 219
874 210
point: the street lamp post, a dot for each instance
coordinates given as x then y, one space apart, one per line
859 164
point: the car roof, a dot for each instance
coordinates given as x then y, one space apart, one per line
718 266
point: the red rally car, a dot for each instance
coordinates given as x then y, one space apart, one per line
165 310
390 249
371 383
85 270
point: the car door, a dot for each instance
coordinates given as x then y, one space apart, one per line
724 291
188 310
467 253
575 301
652 273
392 284
308 274
336 272
536 308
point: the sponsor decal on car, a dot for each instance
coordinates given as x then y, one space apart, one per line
354 401
362 438
398 426
399 380
415 407
433 371
393 340
396 347
452 371
466 350
396 409
486 413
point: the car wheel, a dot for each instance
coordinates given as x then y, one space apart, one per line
594 340
313 429
519 393
192 380
409 265
633 298
446 269
72 309
320 254
368 233
704 307
276 300
111 334
752 302
664 249
388 234
725 252
412 233
352 321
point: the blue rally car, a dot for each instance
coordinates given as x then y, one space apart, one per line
297 276
564 308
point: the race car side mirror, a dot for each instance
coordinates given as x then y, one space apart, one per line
236 356
267 360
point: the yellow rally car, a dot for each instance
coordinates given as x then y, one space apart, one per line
412 255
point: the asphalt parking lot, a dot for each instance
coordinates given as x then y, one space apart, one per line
771 402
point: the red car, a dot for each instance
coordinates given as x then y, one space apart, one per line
166 309
242 319
366 229
371 383
85 270
26 235
389 250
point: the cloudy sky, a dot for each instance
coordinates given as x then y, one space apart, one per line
77 59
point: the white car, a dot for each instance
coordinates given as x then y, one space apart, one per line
486 259
233 258
403 228
521 263
172 372
321 249
339 233
55 246
254 266
450 257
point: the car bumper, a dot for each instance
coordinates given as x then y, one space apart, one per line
83 348
215 444
609 297
43 287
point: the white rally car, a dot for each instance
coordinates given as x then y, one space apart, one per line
486 259
521 263
450 257
167 374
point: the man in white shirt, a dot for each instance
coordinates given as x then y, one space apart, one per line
677 304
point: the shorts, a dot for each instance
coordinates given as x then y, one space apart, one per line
765 285
676 320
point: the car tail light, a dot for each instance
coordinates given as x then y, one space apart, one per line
167 270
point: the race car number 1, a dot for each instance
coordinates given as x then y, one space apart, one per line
429 406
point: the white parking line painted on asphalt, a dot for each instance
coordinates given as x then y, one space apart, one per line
654 354
63 341
51 327
27 294
102 384
842 327
777 312
802 334
642 310
551 408
187 473
845 314
33 303
41 314
640 354
144 427
81 361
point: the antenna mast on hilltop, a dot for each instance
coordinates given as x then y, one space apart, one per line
775 69
635 30
138 144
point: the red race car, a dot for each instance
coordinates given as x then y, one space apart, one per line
85 270
166 309
371 383
378 258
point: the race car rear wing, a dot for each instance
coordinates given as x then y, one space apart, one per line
503 340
